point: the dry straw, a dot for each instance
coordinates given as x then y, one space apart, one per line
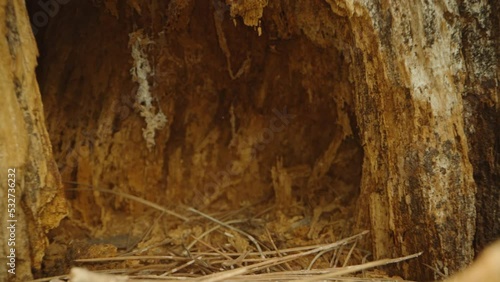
204 261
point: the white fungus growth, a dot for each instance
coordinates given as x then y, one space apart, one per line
140 71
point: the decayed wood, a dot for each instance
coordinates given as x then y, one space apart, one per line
481 41
409 67
417 176
25 150
410 75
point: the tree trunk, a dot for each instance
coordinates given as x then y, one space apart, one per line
394 106
427 74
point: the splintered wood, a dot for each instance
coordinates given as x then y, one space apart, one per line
218 18
282 184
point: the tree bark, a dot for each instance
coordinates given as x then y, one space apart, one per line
417 176
32 200
421 67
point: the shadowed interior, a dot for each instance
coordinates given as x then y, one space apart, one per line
253 121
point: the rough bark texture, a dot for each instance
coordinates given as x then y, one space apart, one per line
420 60
417 177
25 147
481 51
393 104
